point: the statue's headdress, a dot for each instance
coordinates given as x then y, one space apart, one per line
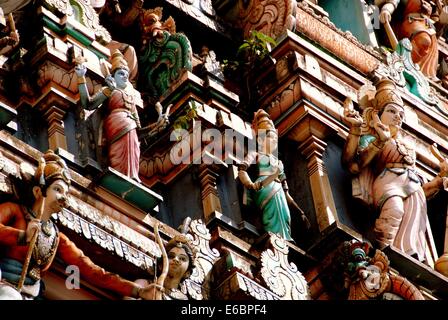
386 93
51 167
375 98
262 121
118 61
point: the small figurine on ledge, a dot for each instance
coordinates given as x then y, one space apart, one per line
121 120
269 192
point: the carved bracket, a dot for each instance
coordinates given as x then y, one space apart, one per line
279 275
198 284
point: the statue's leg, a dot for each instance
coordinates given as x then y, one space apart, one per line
388 223
421 45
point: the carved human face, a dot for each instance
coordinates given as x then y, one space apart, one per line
121 77
268 141
178 262
56 196
392 115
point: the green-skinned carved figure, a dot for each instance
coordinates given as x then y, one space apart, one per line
165 54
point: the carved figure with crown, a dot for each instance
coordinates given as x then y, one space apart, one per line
367 275
120 116
383 159
269 192
30 240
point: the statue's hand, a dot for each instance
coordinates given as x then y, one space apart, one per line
385 16
444 168
381 129
110 82
80 70
256 186
163 122
14 38
151 291
31 229
351 115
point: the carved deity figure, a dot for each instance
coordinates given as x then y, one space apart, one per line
164 55
177 265
269 192
383 160
121 119
415 20
368 277
30 240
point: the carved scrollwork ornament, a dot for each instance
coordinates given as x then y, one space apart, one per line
281 276
197 284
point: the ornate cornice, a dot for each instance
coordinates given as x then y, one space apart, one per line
85 14
238 284
319 28
108 241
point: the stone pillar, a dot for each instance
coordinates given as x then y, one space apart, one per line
313 149
56 134
209 190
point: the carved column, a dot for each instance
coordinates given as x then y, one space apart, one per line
313 149
209 190
56 134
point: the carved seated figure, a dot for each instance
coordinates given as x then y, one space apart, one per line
165 54
383 161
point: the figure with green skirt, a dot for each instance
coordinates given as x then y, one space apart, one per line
269 191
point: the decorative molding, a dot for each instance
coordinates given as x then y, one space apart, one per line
56 133
281 276
272 17
238 284
85 14
105 240
342 44
209 190
113 227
